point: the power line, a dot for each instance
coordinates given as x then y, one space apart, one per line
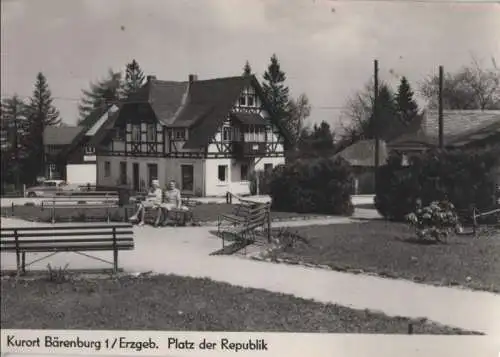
483 2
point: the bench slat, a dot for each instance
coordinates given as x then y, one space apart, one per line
67 248
84 240
56 227
65 234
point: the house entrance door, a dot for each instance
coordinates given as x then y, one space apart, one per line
135 176
187 178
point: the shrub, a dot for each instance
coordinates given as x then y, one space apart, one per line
435 221
313 186
265 178
465 178
59 275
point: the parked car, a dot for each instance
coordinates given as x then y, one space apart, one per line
49 188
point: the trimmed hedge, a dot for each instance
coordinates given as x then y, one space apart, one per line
465 178
313 186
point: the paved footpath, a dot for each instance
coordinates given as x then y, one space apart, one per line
185 251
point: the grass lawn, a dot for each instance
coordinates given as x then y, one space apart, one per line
387 249
180 303
202 213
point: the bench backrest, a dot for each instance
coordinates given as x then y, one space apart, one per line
255 214
17 237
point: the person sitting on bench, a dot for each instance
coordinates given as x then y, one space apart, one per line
153 199
172 200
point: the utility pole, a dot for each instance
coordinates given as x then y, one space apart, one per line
375 119
440 112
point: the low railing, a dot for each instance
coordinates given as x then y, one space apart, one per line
476 214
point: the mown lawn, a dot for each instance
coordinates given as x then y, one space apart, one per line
389 249
180 303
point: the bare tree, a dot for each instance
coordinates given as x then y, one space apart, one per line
298 111
471 87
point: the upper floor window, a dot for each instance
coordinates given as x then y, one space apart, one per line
89 150
136 133
248 98
151 133
180 134
255 133
227 134
120 133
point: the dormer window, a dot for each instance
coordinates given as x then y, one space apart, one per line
180 134
243 100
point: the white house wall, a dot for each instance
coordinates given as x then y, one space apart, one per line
81 174
233 184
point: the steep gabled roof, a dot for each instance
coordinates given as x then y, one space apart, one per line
99 116
485 131
60 135
201 105
455 124
362 153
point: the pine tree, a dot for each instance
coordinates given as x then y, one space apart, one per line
247 70
406 106
134 78
41 113
14 124
101 93
274 88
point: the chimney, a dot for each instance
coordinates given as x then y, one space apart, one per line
150 78
193 78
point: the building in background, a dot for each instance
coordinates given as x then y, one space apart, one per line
207 135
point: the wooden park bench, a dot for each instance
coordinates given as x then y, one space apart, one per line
66 238
246 218
106 201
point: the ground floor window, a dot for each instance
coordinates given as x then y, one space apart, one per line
107 168
222 173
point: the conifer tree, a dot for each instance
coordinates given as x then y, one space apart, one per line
406 106
247 70
275 89
40 113
101 93
134 78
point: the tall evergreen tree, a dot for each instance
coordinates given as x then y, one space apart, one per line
247 69
41 113
14 124
103 92
134 78
274 88
406 106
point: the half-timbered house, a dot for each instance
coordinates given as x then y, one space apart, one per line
207 135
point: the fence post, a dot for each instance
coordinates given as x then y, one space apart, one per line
53 209
107 206
16 240
474 221
12 212
115 252
269 223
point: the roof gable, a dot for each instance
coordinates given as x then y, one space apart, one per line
456 122
60 135
101 120
362 153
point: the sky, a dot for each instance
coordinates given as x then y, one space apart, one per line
326 47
